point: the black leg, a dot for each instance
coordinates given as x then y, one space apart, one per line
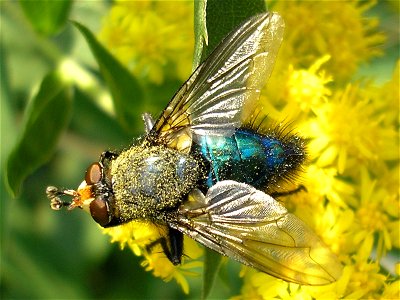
173 250
176 241
287 193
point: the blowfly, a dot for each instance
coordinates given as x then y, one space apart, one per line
207 168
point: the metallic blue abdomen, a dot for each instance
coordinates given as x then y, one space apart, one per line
249 157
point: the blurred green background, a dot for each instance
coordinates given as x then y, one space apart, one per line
47 254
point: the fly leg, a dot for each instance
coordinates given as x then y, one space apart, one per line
287 193
172 245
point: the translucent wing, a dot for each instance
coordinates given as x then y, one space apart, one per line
212 100
247 225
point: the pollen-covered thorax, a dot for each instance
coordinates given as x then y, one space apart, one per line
150 181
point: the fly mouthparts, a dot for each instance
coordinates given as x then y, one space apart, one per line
53 193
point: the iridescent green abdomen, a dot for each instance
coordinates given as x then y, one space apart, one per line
250 157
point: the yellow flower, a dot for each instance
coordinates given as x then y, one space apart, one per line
307 87
259 285
154 39
386 98
391 291
364 280
138 235
157 262
328 185
337 28
303 89
377 213
347 131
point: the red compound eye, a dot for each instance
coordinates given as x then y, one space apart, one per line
100 212
93 173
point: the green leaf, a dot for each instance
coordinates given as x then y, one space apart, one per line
200 31
47 16
212 264
126 92
46 116
224 16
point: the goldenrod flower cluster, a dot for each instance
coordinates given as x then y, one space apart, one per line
153 39
352 176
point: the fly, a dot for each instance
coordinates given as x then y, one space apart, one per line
207 167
